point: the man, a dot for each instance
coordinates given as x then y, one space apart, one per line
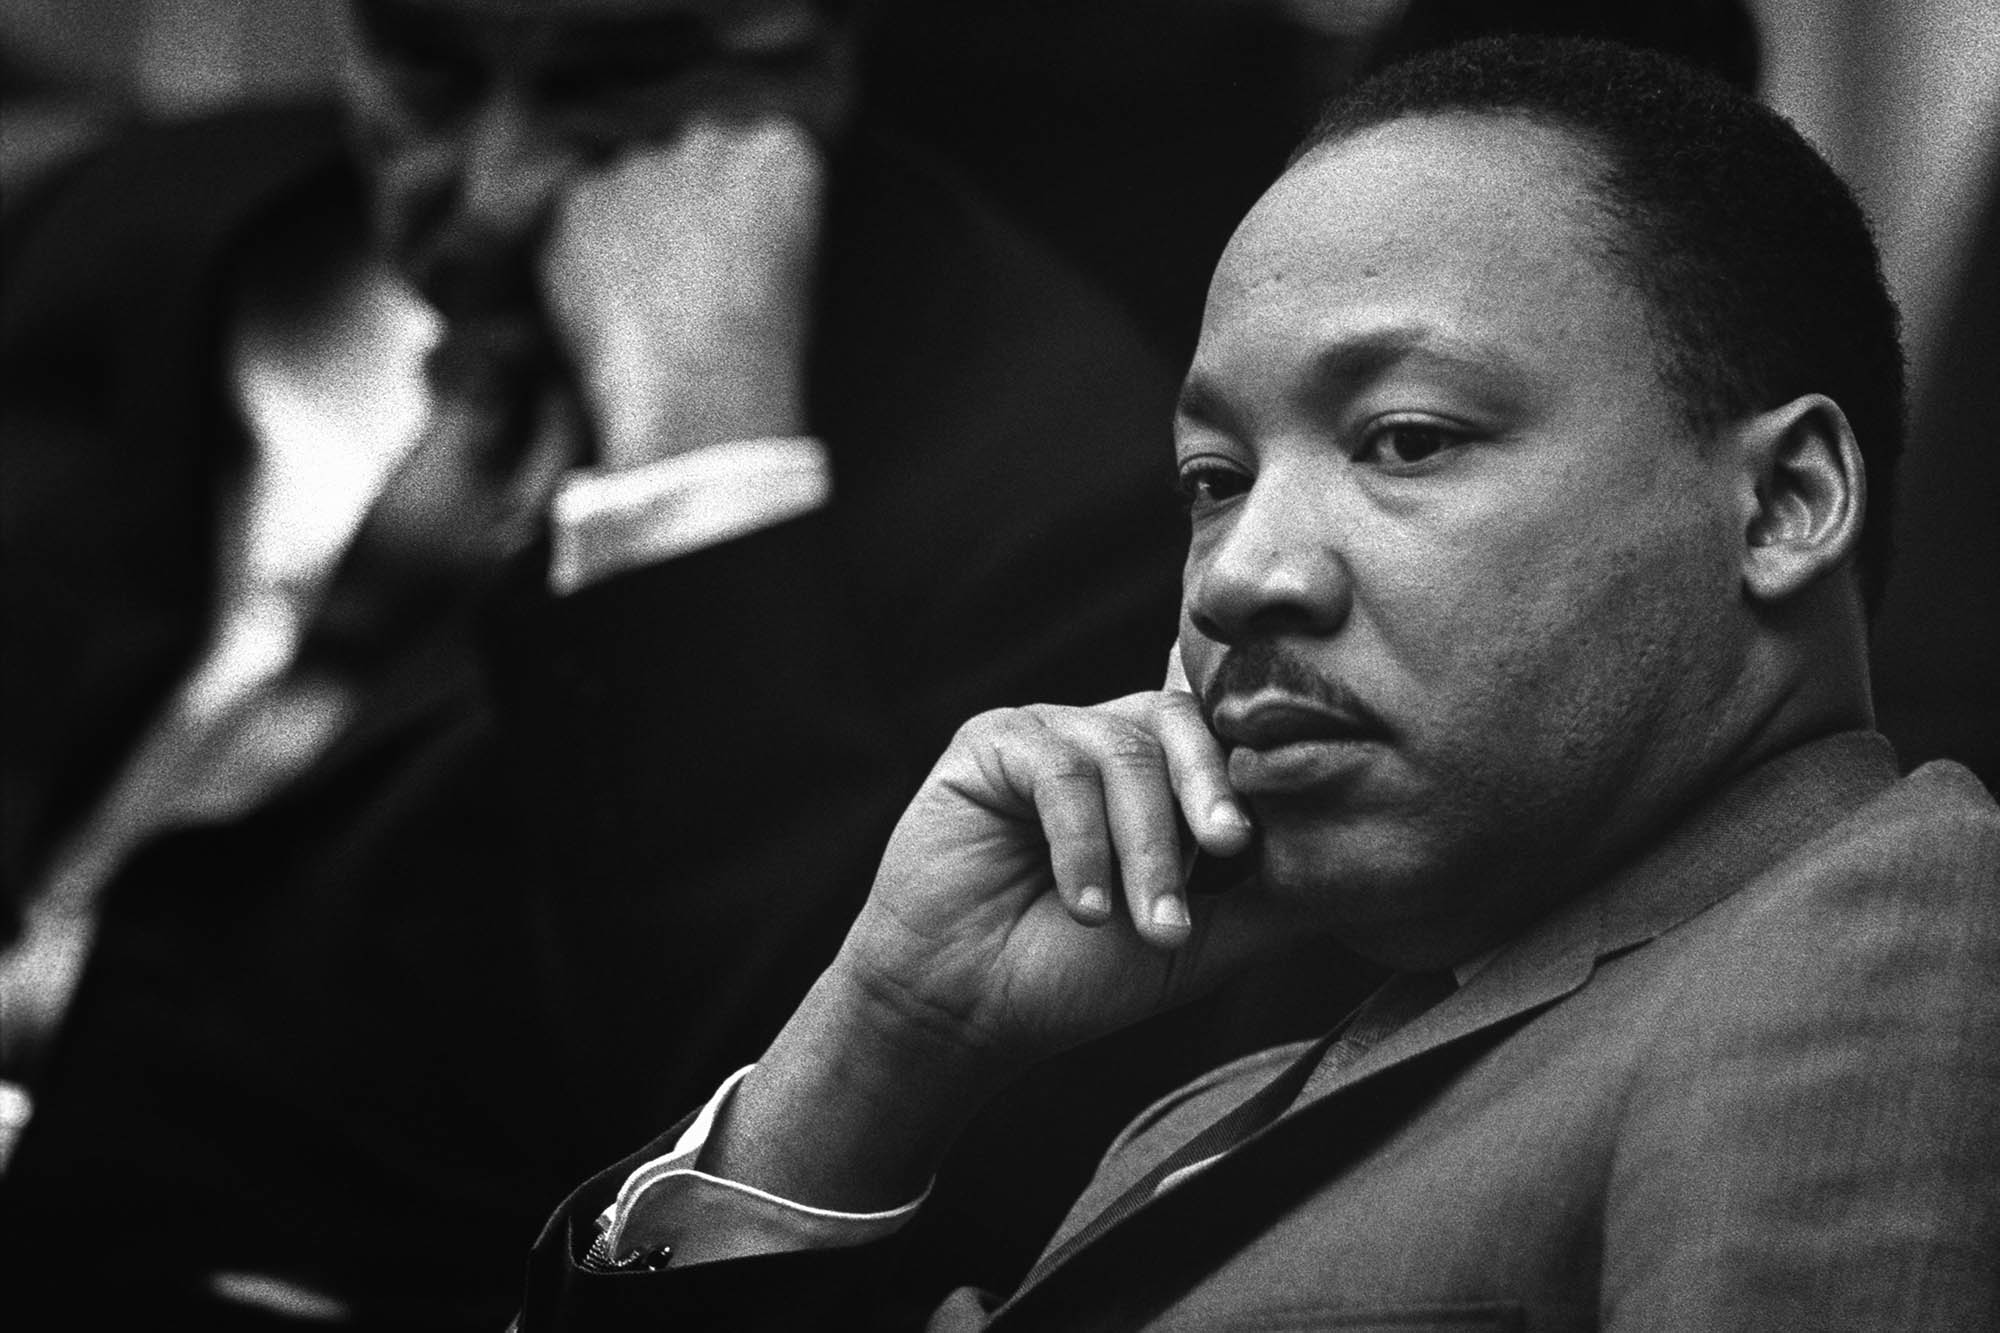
825 398
1527 449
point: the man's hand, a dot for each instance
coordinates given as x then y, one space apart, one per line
1032 896
677 283
679 280
1030 899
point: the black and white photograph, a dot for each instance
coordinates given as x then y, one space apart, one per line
949 665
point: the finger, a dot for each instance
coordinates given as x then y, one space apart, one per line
1067 793
1145 830
1197 768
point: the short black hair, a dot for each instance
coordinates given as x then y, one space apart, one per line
1752 254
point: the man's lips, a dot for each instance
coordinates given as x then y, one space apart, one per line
1269 719
1280 743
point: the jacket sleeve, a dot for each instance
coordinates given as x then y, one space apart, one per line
851 1287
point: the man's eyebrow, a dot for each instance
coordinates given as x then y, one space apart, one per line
1361 357
1349 360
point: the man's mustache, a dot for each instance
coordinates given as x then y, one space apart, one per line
1265 664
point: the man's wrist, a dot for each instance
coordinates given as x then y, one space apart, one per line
853 1107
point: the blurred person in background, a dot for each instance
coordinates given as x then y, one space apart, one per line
729 410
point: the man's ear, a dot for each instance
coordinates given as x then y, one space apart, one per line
1804 495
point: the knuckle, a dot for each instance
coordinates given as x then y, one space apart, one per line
987 728
1137 708
1069 770
1100 728
1132 751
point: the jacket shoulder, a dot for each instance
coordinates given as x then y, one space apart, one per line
1827 1035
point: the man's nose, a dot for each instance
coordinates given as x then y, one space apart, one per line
1274 565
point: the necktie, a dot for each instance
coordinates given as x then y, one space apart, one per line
1402 999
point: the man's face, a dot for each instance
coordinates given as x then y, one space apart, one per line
474 114
1461 594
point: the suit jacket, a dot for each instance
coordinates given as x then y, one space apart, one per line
116 441
1752 1081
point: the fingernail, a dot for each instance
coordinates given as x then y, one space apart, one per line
1093 901
1225 812
1171 912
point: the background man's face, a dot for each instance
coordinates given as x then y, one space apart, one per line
1461 589
475 113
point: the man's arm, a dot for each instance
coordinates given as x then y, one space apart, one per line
1030 899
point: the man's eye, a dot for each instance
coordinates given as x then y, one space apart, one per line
1202 484
1402 443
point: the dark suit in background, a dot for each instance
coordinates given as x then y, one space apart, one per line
363 1039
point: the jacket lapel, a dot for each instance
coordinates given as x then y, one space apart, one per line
1166 1245
1123 1276
1524 979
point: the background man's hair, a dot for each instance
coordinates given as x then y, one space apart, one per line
1751 253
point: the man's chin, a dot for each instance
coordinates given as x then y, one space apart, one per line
1351 872
1315 838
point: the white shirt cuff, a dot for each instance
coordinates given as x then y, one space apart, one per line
603 523
666 1204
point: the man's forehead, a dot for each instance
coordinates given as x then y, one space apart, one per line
1417 170
1473 201
1466 247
